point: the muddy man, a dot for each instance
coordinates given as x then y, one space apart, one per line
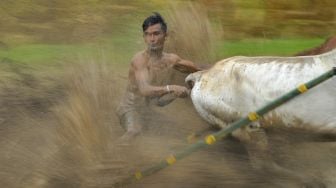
148 78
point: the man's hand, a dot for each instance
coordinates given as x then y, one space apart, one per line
179 91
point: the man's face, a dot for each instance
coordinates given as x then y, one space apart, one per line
155 37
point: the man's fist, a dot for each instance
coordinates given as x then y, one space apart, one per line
179 91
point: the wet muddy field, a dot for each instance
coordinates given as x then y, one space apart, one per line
59 129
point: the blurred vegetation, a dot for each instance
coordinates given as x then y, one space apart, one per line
273 18
75 20
191 35
56 28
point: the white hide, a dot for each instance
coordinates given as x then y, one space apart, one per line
238 85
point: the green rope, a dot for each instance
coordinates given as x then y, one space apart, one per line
211 139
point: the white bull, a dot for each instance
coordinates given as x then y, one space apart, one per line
236 86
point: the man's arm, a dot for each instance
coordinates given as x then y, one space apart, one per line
186 66
142 80
164 100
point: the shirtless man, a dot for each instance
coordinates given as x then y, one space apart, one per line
148 78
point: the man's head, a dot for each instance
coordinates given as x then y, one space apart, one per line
155 30
153 19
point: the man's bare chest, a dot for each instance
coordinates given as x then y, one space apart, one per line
159 71
158 66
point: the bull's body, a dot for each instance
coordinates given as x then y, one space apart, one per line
236 86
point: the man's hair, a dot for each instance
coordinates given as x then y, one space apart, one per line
153 19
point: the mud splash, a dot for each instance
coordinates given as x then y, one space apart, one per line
71 140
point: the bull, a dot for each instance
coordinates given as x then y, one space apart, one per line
235 86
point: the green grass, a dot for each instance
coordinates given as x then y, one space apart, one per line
120 49
253 47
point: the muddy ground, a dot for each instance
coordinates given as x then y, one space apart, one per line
59 129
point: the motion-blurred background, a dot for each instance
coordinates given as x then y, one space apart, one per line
63 70
69 25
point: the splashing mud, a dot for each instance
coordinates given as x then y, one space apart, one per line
191 34
62 132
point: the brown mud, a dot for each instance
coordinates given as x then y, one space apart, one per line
62 130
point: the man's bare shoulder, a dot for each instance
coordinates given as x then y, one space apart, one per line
139 59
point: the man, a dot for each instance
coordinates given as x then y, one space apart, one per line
148 78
